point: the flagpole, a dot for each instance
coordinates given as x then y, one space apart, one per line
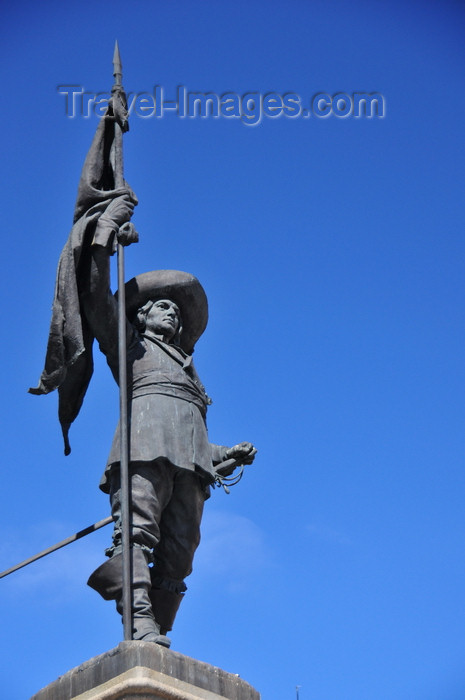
123 389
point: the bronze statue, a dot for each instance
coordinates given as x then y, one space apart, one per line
171 461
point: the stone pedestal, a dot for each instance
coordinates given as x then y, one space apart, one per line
146 671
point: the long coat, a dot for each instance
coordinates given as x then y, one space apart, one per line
167 408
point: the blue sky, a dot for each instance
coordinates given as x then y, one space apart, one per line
332 251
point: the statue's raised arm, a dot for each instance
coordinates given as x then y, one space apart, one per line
97 300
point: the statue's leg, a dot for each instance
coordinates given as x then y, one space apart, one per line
179 538
151 486
147 500
107 580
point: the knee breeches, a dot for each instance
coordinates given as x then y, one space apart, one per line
166 510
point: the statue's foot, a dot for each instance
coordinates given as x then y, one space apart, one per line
160 639
163 641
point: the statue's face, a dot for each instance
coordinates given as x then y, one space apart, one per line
163 319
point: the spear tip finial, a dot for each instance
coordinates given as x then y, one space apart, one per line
117 66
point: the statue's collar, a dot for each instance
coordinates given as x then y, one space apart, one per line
176 352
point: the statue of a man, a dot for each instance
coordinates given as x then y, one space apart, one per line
171 461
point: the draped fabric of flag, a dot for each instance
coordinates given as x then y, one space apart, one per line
69 362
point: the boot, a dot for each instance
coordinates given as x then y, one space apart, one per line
165 605
107 580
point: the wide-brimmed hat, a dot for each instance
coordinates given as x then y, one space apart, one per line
182 288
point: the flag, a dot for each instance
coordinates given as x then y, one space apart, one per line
69 362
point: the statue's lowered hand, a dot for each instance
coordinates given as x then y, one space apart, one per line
243 453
